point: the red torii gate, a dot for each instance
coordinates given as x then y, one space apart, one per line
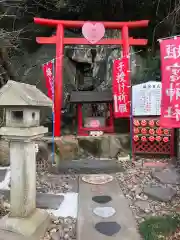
60 41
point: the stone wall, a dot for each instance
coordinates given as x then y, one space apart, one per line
76 148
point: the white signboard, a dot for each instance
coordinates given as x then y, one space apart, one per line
146 98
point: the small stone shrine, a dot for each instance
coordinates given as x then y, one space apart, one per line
22 103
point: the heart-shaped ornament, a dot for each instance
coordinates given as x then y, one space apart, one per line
93 32
104 212
108 228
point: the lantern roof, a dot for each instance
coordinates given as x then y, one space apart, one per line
21 94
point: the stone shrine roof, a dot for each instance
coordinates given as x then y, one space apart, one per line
21 94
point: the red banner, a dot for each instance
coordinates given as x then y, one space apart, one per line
48 74
170 72
121 88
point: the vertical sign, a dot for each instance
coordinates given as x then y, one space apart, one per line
146 99
121 88
170 71
48 74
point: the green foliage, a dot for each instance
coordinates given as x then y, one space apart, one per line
156 228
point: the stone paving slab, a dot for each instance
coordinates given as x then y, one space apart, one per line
88 166
43 200
87 220
167 176
2 174
159 193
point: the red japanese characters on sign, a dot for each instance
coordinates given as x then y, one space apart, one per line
170 65
48 74
121 88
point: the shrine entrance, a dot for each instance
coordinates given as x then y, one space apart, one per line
59 40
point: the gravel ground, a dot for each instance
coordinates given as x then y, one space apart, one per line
61 229
4 209
175 236
132 182
50 183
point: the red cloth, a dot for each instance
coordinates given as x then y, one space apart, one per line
170 71
121 88
49 77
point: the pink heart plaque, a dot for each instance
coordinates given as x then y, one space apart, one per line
93 32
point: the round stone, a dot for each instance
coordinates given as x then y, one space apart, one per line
97 178
102 199
108 228
104 212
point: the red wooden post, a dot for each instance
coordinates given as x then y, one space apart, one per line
172 143
80 118
126 53
125 38
58 79
111 119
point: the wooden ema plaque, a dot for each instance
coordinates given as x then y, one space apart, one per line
150 138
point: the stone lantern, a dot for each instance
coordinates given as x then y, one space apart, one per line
22 103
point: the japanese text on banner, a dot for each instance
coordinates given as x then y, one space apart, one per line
121 90
170 65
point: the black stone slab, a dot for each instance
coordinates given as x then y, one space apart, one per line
90 96
108 228
2 174
89 166
102 199
48 201
43 200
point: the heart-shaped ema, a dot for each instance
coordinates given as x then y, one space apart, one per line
102 199
93 32
104 212
108 228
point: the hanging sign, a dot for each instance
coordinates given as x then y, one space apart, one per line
48 74
170 72
93 32
146 99
121 88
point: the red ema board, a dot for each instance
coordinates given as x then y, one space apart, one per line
150 138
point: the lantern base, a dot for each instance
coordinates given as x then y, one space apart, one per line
30 228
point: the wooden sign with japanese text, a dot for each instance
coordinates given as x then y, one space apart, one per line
146 99
170 72
121 88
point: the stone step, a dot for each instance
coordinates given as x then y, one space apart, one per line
43 200
88 166
96 222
